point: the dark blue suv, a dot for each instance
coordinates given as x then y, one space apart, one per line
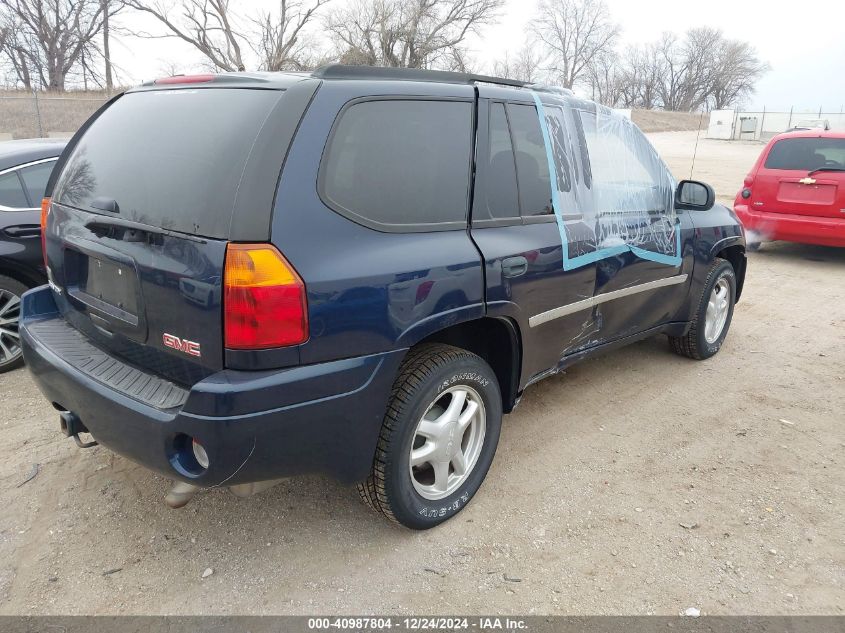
355 272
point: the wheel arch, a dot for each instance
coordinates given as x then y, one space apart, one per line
495 339
733 250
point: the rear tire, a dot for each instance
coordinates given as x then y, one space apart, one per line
10 310
713 315
445 415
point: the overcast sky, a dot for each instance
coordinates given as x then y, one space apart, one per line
806 51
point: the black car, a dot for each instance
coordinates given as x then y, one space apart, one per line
25 167
356 272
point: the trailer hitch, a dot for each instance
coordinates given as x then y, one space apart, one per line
72 426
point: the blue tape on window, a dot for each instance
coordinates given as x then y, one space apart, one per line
599 253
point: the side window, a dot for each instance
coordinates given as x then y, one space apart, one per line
627 175
35 179
532 166
11 191
502 200
396 163
560 147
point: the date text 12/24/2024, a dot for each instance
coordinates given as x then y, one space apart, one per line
418 623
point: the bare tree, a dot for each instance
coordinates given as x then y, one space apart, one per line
15 48
45 41
225 37
705 69
282 44
207 25
525 65
609 84
574 32
409 33
736 69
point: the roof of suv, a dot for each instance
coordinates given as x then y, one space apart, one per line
283 80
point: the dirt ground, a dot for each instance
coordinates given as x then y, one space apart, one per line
638 482
665 121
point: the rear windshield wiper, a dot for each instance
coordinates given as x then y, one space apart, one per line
815 171
104 222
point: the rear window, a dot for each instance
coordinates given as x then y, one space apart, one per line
169 158
807 154
398 164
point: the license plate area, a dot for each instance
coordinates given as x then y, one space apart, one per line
816 193
113 285
106 287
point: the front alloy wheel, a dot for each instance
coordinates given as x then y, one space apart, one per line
713 315
718 308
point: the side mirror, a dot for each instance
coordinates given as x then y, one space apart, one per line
694 195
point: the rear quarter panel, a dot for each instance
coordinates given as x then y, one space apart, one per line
368 291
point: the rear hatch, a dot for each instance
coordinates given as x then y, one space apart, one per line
144 208
802 176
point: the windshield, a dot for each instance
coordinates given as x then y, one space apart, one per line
169 158
807 154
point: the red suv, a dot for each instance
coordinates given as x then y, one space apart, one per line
796 190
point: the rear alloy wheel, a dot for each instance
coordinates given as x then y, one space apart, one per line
438 438
447 442
713 316
10 314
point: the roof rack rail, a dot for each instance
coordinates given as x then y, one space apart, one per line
555 89
343 71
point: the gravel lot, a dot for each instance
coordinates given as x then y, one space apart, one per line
638 482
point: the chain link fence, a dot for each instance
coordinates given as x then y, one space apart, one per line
38 114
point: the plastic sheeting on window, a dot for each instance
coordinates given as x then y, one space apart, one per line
623 193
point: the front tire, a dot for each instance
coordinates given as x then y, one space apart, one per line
11 355
713 315
438 438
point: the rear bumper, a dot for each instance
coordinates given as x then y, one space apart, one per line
254 426
789 227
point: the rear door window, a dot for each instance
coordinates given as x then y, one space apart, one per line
169 158
12 194
502 196
400 164
532 163
807 154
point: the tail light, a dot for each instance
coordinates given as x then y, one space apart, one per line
45 212
264 303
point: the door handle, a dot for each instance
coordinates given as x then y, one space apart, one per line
23 230
514 266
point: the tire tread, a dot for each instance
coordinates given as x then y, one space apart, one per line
420 362
687 345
